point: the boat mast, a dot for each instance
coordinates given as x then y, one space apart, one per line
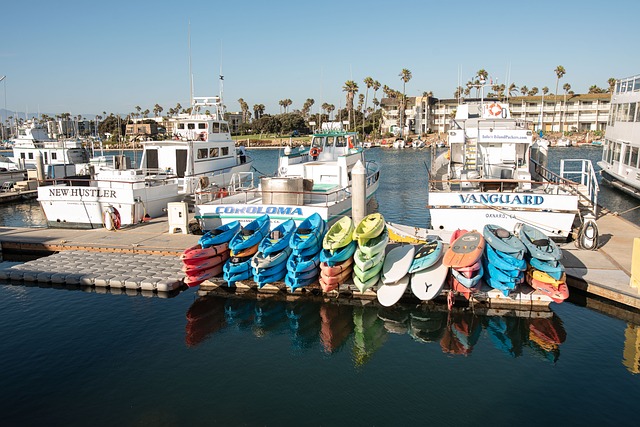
190 72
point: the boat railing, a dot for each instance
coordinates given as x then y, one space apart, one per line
502 185
583 172
149 181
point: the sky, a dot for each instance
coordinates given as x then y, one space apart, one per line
93 57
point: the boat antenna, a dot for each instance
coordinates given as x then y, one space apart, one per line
221 80
190 72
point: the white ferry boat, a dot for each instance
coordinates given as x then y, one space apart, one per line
33 140
494 173
200 154
308 180
620 160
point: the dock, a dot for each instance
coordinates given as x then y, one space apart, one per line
605 272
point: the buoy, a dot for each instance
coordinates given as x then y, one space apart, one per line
111 218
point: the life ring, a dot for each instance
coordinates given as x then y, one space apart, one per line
350 141
203 136
495 110
314 152
111 218
222 193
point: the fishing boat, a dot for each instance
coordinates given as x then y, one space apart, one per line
495 173
309 180
199 155
620 164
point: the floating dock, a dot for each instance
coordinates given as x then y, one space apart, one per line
605 272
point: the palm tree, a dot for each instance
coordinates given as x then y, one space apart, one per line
533 92
330 109
512 88
157 109
545 90
281 104
244 107
524 90
306 107
351 88
566 87
560 72
612 84
405 76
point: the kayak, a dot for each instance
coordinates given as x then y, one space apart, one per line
336 269
260 260
554 269
369 227
308 234
250 235
364 262
466 250
539 245
504 261
195 279
195 254
370 247
205 263
339 255
503 240
340 234
219 235
278 238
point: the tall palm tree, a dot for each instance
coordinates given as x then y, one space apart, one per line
306 107
351 88
560 72
533 92
405 76
545 90
512 89
524 90
566 87
612 84
330 109
281 103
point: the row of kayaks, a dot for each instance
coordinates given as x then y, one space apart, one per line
360 253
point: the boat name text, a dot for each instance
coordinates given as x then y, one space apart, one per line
270 210
502 199
82 192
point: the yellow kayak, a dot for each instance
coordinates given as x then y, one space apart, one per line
371 226
340 234
541 276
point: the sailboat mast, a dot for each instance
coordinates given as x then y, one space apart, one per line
190 72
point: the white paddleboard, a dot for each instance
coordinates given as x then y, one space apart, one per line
391 294
397 263
428 283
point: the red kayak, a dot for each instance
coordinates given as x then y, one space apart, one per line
201 276
557 293
205 263
336 269
197 253
336 280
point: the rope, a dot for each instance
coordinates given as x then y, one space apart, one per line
261 173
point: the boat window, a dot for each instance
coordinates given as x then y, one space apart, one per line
191 125
317 142
224 128
54 156
633 158
225 151
215 127
213 152
202 125
330 141
616 152
202 153
180 125
341 141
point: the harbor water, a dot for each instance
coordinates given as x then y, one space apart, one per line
74 356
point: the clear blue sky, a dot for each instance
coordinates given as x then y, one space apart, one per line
87 57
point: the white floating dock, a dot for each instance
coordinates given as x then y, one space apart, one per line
112 270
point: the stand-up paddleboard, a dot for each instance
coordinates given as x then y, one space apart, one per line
389 294
426 255
428 283
397 263
466 250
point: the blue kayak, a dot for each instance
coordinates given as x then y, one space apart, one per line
270 275
295 282
554 269
539 245
232 267
464 280
222 234
504 261
232 278
278 238
297 264
250 235
339 255
309 233
426 255
503 241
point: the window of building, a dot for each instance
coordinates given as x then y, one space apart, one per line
632 112
213 152
202 153
636 84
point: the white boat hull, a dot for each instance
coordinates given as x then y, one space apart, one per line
553 214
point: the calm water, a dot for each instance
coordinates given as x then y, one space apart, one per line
71 356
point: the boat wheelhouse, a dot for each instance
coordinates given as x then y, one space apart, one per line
620 155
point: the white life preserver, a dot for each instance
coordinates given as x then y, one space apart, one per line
495 110
111 218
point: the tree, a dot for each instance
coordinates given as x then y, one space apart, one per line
244 107
612 84
157 109
560 72
524 90
405 76
512 89
306 107
351 88
566 87
545 90
533 92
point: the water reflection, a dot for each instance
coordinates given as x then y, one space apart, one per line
331 326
